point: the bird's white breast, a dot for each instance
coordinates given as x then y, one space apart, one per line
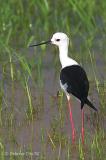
67 62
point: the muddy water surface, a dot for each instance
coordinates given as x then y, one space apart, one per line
33 136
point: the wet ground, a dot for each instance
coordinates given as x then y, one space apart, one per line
34 136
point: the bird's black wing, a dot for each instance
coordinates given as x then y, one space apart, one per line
75 79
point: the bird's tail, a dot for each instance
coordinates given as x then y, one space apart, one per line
90 104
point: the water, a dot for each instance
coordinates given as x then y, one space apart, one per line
34 137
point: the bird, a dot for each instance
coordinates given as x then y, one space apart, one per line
73 78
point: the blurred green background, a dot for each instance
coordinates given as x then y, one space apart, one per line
21 20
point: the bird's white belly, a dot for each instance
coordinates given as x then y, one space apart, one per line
64 87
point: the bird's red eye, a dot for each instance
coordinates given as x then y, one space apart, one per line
57 40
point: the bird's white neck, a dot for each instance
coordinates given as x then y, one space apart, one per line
64 58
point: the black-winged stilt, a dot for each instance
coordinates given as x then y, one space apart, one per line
73 78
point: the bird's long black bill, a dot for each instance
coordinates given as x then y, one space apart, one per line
46 42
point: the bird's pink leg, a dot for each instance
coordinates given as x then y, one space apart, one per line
82 121
71 120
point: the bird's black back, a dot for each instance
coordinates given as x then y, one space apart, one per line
75 78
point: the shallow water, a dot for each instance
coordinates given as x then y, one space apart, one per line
33 136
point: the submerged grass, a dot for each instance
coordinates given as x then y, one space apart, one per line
25 22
